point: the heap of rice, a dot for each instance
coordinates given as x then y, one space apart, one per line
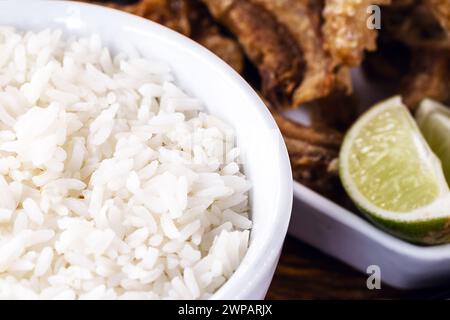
113 183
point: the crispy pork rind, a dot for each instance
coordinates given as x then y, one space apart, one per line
267 43
302 18
441 10
319 136
313 152
414 51
283 39
313 166
347 35
429 77
414 24
171 13
206 32
337 111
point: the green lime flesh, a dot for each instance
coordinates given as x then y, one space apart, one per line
387 163
393 177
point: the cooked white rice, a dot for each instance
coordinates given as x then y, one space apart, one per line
113 183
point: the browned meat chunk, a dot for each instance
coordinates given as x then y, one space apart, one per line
267 43
345 29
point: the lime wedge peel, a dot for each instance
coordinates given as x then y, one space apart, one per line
433 119
428 108
391 174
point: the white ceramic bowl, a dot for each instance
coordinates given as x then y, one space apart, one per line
225 95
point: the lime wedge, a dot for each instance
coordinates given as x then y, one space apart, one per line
433 119
392 175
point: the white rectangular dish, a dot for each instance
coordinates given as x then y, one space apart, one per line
350 238
355 241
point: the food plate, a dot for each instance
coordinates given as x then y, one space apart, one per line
352 239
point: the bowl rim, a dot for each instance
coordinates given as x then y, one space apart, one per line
268 248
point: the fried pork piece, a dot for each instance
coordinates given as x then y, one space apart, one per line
414 53
413 24
427 54
337 111
303 20
319 136
173 14
441 10
267 43
192 19
206 32
225 48
345 30
283 38
428 78
313 166
313 153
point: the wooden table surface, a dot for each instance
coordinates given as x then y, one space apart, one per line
306 273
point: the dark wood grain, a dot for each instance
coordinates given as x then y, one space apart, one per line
306 273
